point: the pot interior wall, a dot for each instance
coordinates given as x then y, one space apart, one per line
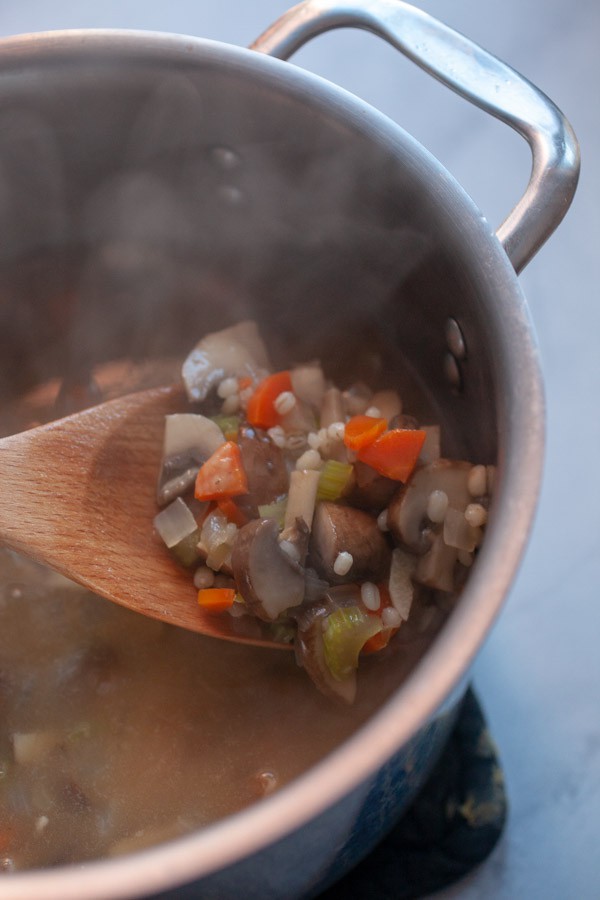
144 202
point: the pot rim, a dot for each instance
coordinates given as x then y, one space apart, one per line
441 672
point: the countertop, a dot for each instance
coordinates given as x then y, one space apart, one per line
539 674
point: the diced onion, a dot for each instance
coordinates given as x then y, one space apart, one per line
175 522
400 583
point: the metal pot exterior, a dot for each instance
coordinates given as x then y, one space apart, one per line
190 182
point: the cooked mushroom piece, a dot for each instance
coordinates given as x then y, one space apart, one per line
238 350
339 529
407 514
370 491
264 465
268 579
188 442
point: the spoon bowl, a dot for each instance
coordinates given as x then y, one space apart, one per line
80 497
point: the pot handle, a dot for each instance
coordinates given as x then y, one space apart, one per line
478 77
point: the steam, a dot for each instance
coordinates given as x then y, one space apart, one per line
194 200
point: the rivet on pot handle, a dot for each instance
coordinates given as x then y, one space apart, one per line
474 74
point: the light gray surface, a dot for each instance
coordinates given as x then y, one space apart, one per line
539 674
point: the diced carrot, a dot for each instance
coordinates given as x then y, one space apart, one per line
261 410
216 599
360 431
395 453
231 511
222 475
379 640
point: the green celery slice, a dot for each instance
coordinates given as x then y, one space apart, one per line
275 510
333 479
347 630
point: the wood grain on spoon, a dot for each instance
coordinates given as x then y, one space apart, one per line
79 494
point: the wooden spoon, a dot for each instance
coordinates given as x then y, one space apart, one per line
78 494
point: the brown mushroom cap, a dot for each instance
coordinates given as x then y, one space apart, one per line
337 528
264 465
267 578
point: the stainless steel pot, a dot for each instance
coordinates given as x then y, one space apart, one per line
170 181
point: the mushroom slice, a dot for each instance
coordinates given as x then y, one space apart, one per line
268 579
407 513
188 442
238 350
342 529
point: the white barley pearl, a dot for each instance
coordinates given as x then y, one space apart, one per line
314 440
343 563
437 506
284 402
382 521
336 431
476 515
477 481
204 578
310 459
369 594
374 412
231 404
391 618
227 387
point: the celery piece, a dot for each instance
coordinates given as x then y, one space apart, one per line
333 479
347 630
275 510
229 425
186 551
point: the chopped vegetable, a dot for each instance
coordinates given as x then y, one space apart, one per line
186 551
395 453
261 411
302 497
346 632
231 511
334 479
361 431
216 599
275 510
235 351
175 522
222 475
400 584
229 426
